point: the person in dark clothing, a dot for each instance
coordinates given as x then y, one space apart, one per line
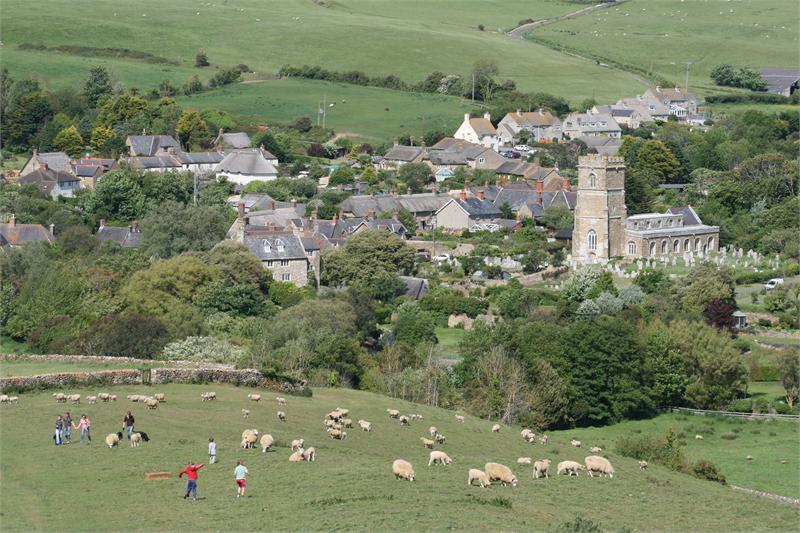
59 435
67 428
191 484
127 424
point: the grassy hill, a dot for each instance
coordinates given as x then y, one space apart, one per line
349 487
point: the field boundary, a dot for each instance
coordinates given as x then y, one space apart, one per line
769 496
109 359
520 31
734 414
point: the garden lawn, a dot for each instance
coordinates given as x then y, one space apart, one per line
350 486
449 339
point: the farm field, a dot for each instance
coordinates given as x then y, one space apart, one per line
410 39
27 367
350 486
660 36
371 113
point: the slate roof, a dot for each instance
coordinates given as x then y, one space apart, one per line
200 158
350 225
269 245
671 94
478 208
403 153
780 80
46 180
482 126
415 287
148 145
18 234
590 123
154 161
104 162
690 217
515 198
54 160
129 237
603 145
360 206
530 119
237 140
87 171
249 162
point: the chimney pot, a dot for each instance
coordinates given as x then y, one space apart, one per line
519 112
43 166
463 195
13 220
52 229
565 184
102 223
221 131
466 117
272 205
481 195
487 116
240 210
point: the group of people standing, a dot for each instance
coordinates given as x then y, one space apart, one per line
239 473
65 425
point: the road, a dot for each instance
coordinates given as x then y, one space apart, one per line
520 31
756 287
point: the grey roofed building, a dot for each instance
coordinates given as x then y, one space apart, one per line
129 237
348 226
149 145
690 216
406 154
58 161
248 162
478 208
515 198
155 162
15 234
415 287
602 145
270 246
781 80
234 140
47 179
199 158
579 124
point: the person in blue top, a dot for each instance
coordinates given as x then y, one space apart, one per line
240 475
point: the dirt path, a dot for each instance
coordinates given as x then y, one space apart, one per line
520 31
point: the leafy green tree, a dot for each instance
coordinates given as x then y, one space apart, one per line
558 217
97 86
201 59
239 299
70 142
366 257
118 196
173 228
576 288
122 108
128 335
50 131
484 72
343 175
655 161
192 130
549 396
414 325
271 144
217 119
653 281
26 113
705 283
239 265
416 176
789 371
106 143
665 366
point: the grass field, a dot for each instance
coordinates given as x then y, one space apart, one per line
29 367
660 36
449 338
350 486
368 112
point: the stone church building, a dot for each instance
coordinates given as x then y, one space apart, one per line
603 230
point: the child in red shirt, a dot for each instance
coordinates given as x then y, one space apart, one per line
191 485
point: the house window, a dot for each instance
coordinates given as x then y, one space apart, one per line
676 246
592 180
286 276
664 246
267 247
631 248
270 263
592 240
686 246
279 244
711 244
653 248
669 222
284 262
481 160
697 245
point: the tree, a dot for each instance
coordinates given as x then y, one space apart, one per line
106 143
789 370
665 366
97 86
124 107
201 59
26 113
558 217
365 256
128 335
172 228
549 396
484 72
576 288
343 175
70 142
192 130
498 389
416 176
719 313
706 283
414 325
118 196
656 162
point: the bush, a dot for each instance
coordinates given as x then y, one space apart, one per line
707 470
664 450
729 436
744 405
206 349
578 525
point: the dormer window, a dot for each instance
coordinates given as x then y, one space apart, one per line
267 246
279 245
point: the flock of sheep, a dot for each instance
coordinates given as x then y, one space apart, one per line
60 397
5 398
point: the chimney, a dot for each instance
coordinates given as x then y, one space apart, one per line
539 187
466 117
519 216
335 219
102 223
314 213
52 229
463 195
487 116
246 220
541 112
519 112
565 184
481 195
486 184
370 214
221 131
271 205
396 143
434 190
658 88
240 210
393 191
43 167
466 185
13 220
136 226
294 203
395 214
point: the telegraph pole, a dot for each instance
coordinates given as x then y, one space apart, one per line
473 87
688 64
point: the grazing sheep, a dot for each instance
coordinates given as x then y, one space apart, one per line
749 457
496 428
543 439
364 425
601 465
501 473
575 443
441 439
460 418
433 431
595 449
337 434
570 467
643 465
60 397
329 423
343 412
698 437
151 403
427 443
104 396
297 456
13 399
334 415
403 470
160 396
208 396
437 457
254 397
74 398
297 444
266 442
136 439
541 468
336 426
310 454
249 438
112 439
524 461
393 413
404 421
347 422
281 416
91 399
280 400
245 413
479 476
113 397
526 434
3 398
531 438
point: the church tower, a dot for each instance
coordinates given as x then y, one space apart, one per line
600 211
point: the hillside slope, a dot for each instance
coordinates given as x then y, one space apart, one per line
349 487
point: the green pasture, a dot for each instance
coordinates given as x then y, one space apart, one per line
29 367
350 486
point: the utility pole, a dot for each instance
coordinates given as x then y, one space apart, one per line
196 189
688 64
473 87
324 109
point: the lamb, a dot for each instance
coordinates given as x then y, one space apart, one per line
541 468
501 473
13 399
531 438
207 396
112 439
254 397
601 465
480 476
338 434
60 397
280 400
333 415
336 426
749 458
3 398
266 442
113 397
441 439
403 470
91 399
543 439
575 443
404 421
460 418
595 449
433 431
643 465
496 428
570 467
440 458
297 444
249 438
151 403
74 398
329 423
297 456
427 443
524 461
347 422
393 413
245 413
310 454
104 396
160 396
364 425
525 433
281 416
698 437
136 439
343 412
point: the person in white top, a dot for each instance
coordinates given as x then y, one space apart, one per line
212 451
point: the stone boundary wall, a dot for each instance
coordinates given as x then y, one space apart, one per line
105 359
762 494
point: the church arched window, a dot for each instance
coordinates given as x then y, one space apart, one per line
652 248
676 246
697 245
592 240
664 246
686 247
631 248
592 180
711 244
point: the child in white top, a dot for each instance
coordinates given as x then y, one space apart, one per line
212 451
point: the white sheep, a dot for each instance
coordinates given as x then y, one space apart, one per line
245 413
365 425
60 397
249 438
136 439
438 457
570 467
343 412
433 431
496 428
266 442
541 468
501 473
601 465
575 443
347 422
297 444
525 433
3 398
441 439
393 413
749 457
329 423
698 437
297 456
335 427
310 454
160 396
403 470
280 400
113 397
460 418
479 476
112 439
104 396
151 403
404 421
530 437
524 461
281 416
334 415
254 397
643 465
74 398
543 439
595 449
91 399
337 434
13 399
427 443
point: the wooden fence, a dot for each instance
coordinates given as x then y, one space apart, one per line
734 414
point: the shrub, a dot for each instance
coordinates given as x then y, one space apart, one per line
744 405
578 525
707 470
664 450
206 349
729 436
